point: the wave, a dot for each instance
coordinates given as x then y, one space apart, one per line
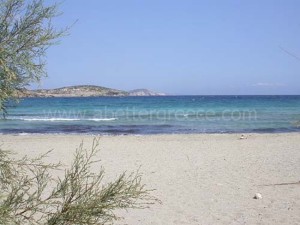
64 119
103 119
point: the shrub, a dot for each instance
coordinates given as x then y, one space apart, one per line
31 195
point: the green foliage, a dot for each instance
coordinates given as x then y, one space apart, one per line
30 195
26 32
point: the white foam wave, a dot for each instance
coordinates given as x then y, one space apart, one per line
23 134
102 119
64 119
48 119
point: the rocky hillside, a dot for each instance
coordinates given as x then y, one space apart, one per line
84 91
144 92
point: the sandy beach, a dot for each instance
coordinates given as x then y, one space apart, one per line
201 179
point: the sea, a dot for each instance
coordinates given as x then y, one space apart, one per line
153 115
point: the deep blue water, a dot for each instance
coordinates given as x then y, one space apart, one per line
154 115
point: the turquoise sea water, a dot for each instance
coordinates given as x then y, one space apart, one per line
154 115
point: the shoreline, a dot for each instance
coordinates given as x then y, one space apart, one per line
150 134
200 178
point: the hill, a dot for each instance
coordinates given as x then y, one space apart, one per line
84 91
144 92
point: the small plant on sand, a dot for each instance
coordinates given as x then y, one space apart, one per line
31 195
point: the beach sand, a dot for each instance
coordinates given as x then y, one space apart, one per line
204 179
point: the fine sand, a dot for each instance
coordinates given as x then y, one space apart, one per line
204 179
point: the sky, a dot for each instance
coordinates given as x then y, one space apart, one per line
184 47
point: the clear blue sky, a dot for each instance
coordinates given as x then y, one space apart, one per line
179 46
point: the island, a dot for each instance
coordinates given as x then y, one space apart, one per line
84 91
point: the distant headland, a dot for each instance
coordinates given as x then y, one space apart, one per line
84 91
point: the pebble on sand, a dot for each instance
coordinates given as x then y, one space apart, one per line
257 196
242 137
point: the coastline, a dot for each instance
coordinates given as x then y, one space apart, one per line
93 135
200 178
150 134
